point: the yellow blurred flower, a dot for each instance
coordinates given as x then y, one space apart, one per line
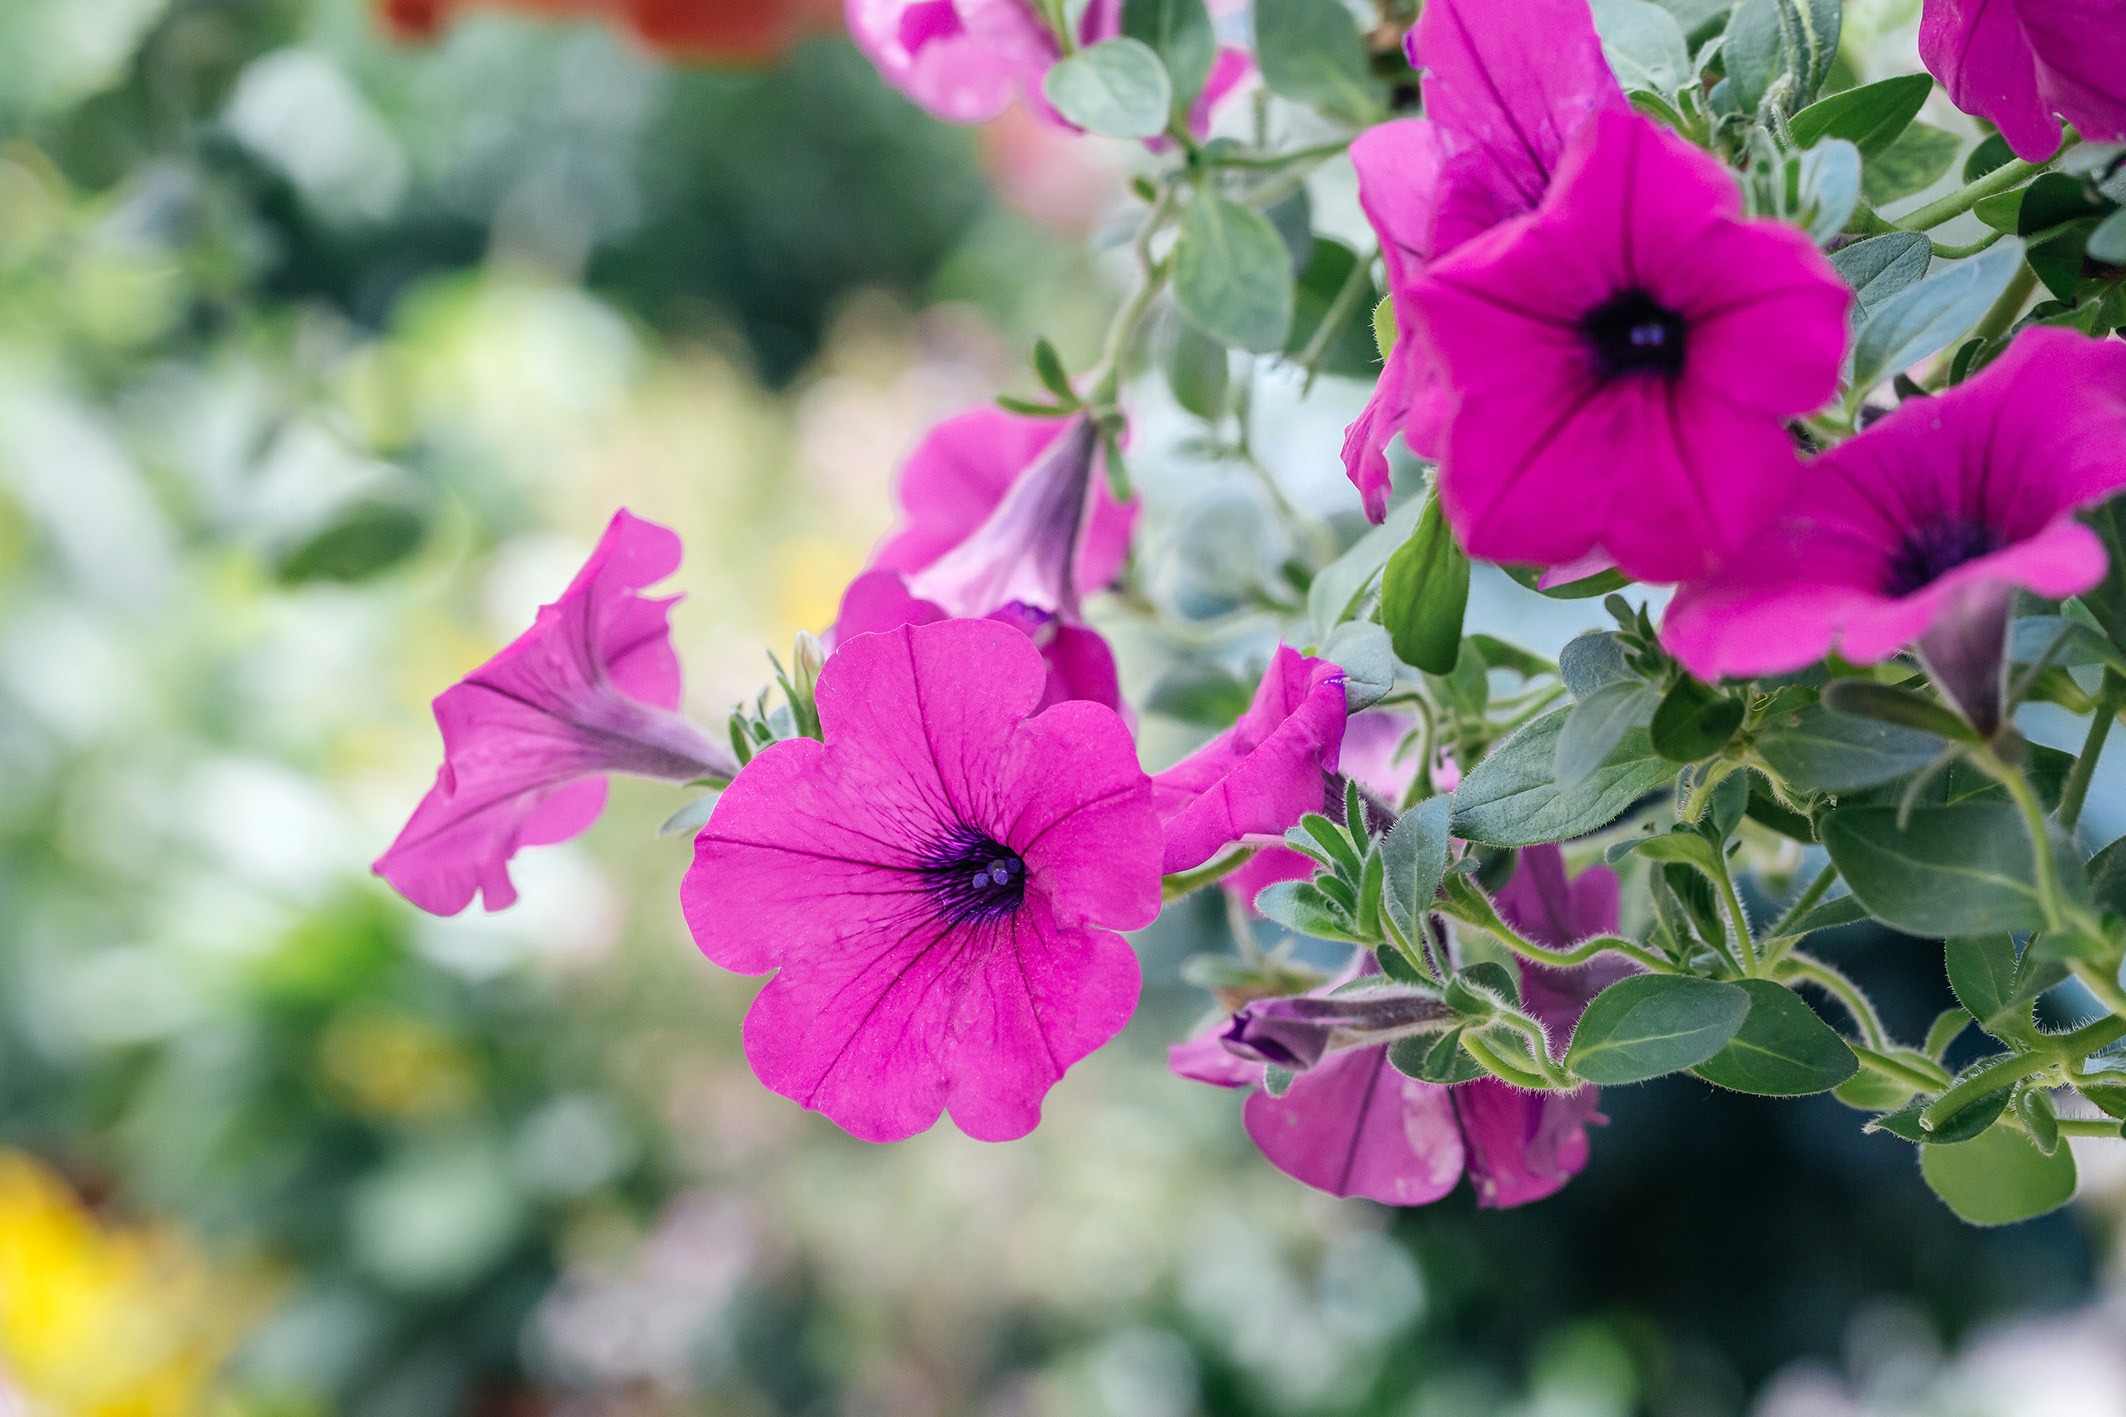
389 1066
100 1321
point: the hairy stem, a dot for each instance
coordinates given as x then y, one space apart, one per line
1489 1060
1999 180
2089 1127
1806 902
2007 1070
1182 883
2108 700
1834 982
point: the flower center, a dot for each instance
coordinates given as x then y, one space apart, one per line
1632 333
972 878
1930 552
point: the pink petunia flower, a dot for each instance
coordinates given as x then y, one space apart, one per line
2025 64
1352 1125
1623 358
1004 517
965 60
529 736
1505 86
936 886
1263 774
1367 757
1919 530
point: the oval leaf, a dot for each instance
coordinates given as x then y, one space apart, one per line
1232 275
1922 319
1999 1177
1694 722
1423 594
1961 870
1869 117
1880 266
1598 724
1511 798
1415 855
1816 750
1782 1049
1117 88
1652 1024
1180 32
1311 51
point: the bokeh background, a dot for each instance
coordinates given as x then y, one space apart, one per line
323 357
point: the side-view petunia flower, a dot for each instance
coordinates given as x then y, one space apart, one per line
530 736
1504 87
1368 757
936 886
1919 530
1352 1125
1624 358
1263 774
1003 517
2025 64
965 60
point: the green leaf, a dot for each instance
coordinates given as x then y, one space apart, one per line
2058 640
363 538
2002 210
1048 366
1694 722
1888 703
1585 588
1768 40
1989 156
1593 660
1829 916
1679 844
1361 649
1999 1177
1384 328
2107 877
1495 982
1649 1025
1872 1092
1644 45
1181 34
1869 117
1880 266
1982 971
1232 276
1953 871
1424 591
1828 182
1816 750
2034 1106
2056 218
1916 161
1415 854
1195 692
2108 1092
1339 587
1765 809
2107 601
1301 906
1117 88
1782 1049
1511 797
2107 243
1311 51
1598 724
1350 352
1198 372
1924 318
1976 1115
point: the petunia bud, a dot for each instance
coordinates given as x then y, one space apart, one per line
1297 1033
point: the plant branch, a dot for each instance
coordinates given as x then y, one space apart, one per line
1999 180
1182 883
1805 903
2108 700
1833 981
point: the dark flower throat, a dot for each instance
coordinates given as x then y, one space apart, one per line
1632 333
972 878
1930 552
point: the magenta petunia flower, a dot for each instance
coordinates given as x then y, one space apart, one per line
1354 1126
1263 774
1623 360
966 60
1367 757
2025 64
1504 87
529 736
1919 530
936 886
1009 518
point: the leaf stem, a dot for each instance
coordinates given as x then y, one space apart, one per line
2005 1071
1898 1070
1274 162
1183 883
1106 376
2089 1127
1999 180
1356 284
1806 902
2090 1037
1488 1059
2108 700
2048 886
1834 982
1957 253
1467 903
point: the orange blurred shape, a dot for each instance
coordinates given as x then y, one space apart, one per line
715 31
1051 174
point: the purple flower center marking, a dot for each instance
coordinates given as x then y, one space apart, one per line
1930 552
972 878
1632 333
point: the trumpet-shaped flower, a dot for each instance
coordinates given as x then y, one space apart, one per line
529 736
936 886
1622 360
1263 774
2025 64
1352 1125
1504 86
1919 530
1367 757
1003 517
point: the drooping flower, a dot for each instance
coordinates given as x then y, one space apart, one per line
717 31
936 886
2025 64
966 60
1003 517
1919 530
1263 774
1623 359
530 736
1504 87
1352 1125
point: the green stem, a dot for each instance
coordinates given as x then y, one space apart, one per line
1182 883
1272 162
1741 922
1807 901
2108 700
1356 284
2048 886
2090 1037
1538 1047
2010 304
1491 1062
2089 1127
1957 253
1834 982
2008 1069
1999 180
1897 1070
1106 377
1468 904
